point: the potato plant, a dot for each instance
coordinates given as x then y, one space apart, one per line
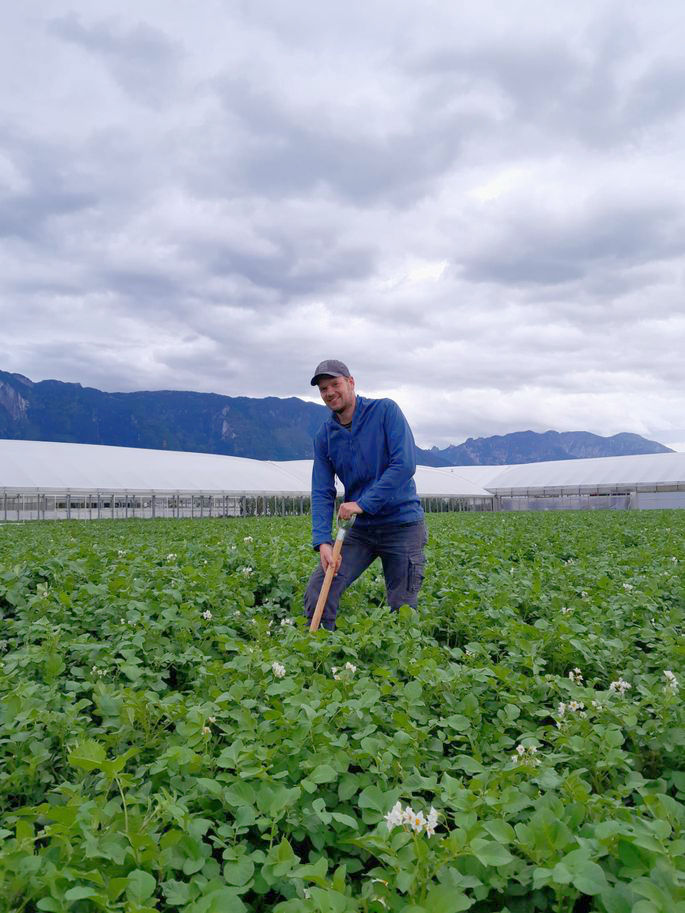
172 738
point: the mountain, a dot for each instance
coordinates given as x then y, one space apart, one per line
263 429
534 447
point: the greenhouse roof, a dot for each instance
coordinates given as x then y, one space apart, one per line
646 471
48 466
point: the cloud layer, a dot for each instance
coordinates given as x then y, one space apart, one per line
481 211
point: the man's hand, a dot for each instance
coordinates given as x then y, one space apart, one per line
326 556
349 509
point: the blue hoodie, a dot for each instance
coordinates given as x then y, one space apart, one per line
375 459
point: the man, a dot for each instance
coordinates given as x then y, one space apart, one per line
368 444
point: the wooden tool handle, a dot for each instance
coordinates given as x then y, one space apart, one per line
327 580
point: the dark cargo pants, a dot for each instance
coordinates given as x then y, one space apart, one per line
400 548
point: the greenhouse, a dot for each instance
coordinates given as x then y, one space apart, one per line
46 480
644 482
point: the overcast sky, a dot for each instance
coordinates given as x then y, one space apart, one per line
480 207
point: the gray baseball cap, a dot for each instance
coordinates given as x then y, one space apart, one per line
330 368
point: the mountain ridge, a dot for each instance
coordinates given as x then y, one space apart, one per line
268 428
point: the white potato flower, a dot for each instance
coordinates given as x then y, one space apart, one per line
620 686
431 822
526 755
278 669
394 818
671 682
408 818
417 822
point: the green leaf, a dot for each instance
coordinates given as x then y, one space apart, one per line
561 874
500 830
80 892
324 773
284 852
239 793
223 900
114 767
239 872
319 807
87 755
589 878
549 832
141 885
458 722
468 764
348 786
490 853
315 873
25 831
114 847
445 899
177 893
618 899
347 820
372 797
413 691
404 880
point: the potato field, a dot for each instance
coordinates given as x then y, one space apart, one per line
172 737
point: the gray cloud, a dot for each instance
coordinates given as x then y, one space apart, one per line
40 190
298 151
480 211
547 247
140 58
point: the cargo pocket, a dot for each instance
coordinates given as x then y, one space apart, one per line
417 570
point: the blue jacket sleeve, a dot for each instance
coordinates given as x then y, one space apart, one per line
401 466
323 492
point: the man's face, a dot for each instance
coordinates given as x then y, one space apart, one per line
337 392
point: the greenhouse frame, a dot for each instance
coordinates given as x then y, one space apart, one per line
48 480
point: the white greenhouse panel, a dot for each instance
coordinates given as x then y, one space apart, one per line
48 466
39 467
601 472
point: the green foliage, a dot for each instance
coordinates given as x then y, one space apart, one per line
152 760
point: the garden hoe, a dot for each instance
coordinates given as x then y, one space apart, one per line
343 526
